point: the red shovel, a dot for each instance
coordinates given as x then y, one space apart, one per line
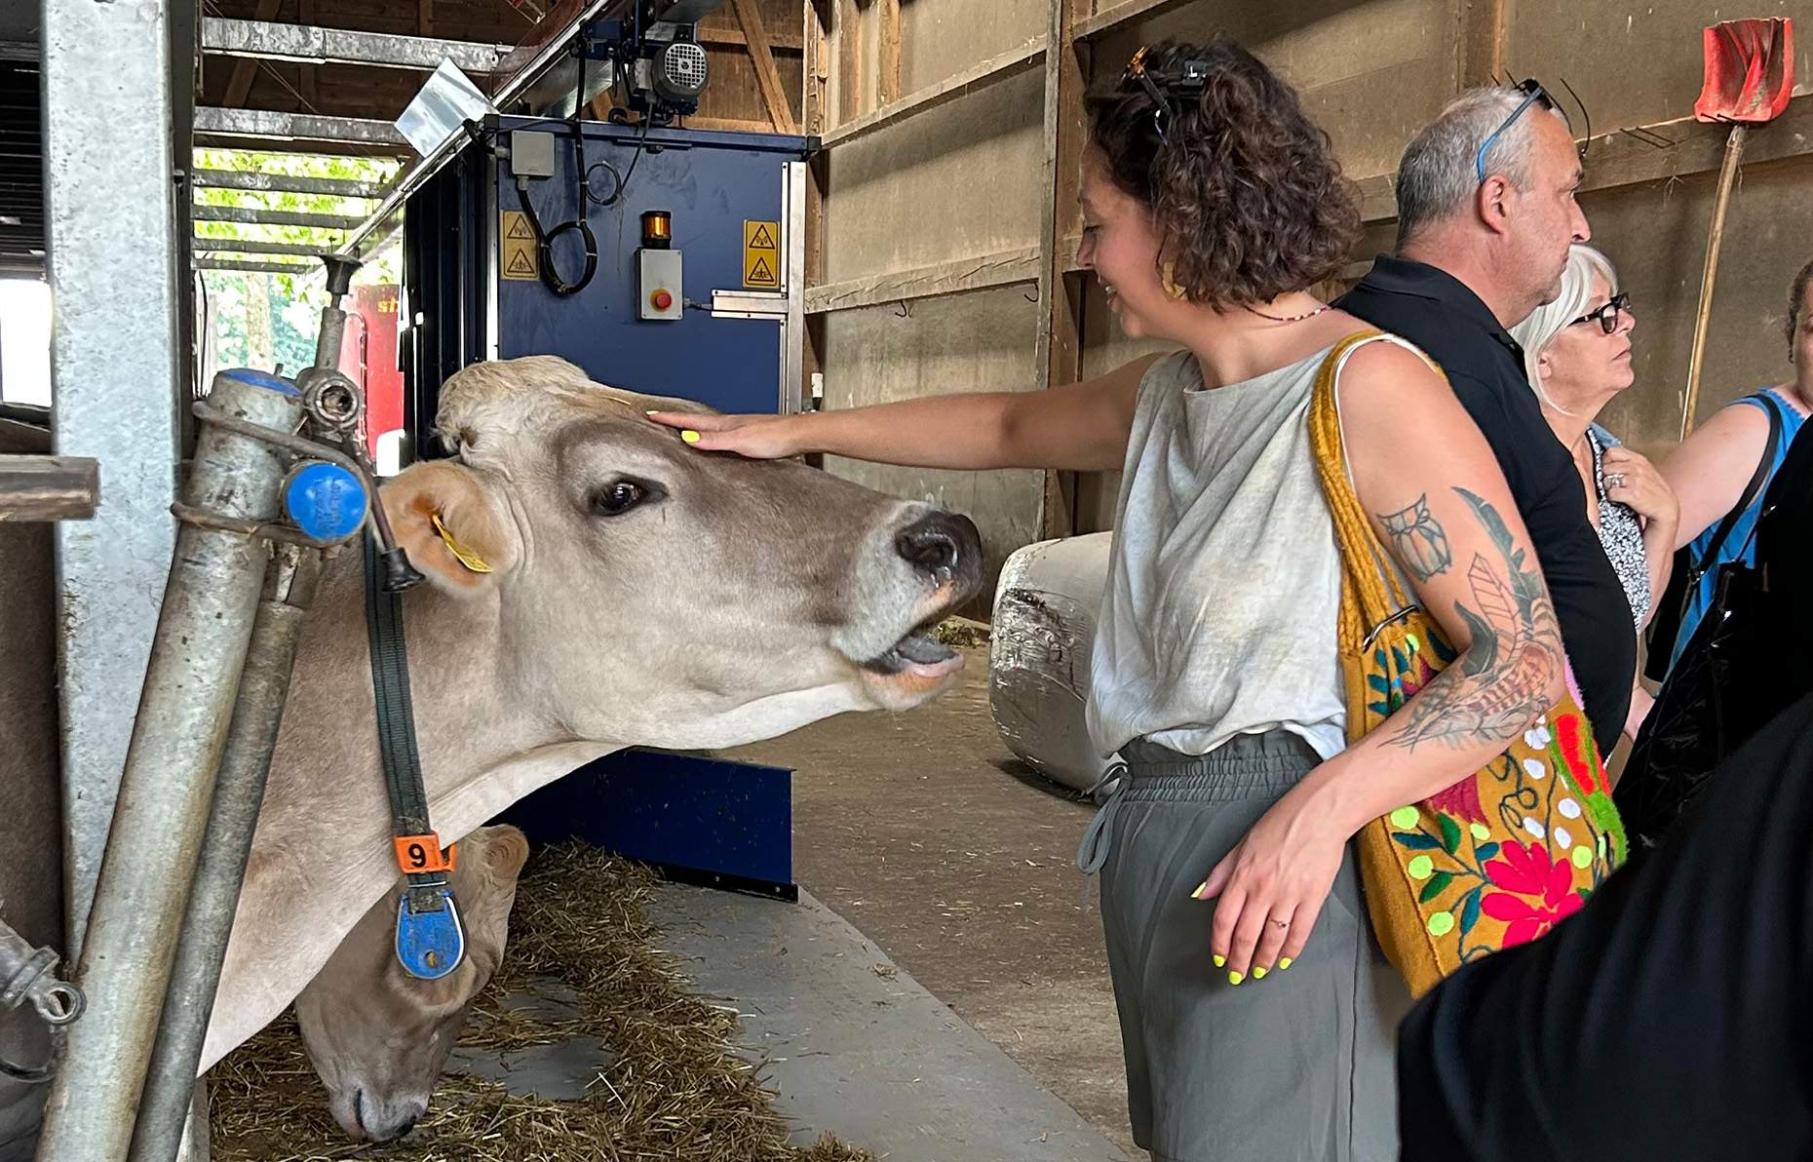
1749 79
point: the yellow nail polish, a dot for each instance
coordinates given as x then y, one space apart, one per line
690 436
1235 978
1259 972
1221 962
1284 963
649 412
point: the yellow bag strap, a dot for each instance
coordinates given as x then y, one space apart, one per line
1371 594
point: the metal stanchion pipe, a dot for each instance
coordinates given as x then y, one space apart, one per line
238 793
190 688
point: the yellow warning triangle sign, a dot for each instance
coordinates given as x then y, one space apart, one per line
760 273
520 263
519 228
763 240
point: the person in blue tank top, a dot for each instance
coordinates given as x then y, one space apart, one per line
1711 470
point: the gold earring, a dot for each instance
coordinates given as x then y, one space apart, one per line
1166 274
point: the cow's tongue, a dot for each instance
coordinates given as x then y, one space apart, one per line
915 649
926 651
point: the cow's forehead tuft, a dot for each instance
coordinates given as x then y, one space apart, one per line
519 396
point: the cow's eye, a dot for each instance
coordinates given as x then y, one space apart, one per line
619 496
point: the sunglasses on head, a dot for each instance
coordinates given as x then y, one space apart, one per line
1193 79
1607 315
1533 94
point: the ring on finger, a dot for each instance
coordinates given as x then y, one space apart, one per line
1281 923
1614 480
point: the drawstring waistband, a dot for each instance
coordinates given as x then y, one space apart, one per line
1092 852
1249 764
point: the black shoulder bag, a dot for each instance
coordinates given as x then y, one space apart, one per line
1694 723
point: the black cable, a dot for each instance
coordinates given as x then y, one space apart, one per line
544 239
544 243
616 184
641 148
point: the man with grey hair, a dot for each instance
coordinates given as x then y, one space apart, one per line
1486 214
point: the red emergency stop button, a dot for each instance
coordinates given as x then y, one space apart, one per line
661 300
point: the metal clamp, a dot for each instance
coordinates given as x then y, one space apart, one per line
204 518
331 398
30 975
208 519
209 414
55 1001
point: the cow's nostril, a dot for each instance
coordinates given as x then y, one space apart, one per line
945 549
927 549
403 1127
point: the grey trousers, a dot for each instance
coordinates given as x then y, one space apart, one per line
1297 1067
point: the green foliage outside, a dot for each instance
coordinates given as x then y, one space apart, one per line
263 320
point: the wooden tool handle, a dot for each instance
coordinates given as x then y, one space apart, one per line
1696 361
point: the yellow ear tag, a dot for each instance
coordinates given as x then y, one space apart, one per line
467 557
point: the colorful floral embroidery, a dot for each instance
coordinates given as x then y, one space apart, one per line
1526 873
1497 859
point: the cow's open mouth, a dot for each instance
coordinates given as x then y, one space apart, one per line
918 654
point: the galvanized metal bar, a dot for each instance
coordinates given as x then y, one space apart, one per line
289 591
197 1142
793 332
254 246
189 694
265 40
234 179
268 125
263 217
257 267
111 225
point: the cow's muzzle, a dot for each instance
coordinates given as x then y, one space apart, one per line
946 550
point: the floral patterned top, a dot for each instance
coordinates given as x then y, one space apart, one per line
1620 531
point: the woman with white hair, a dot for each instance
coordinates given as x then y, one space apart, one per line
1578 354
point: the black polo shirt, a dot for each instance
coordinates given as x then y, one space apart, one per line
1438 313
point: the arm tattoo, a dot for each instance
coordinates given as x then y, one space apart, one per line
1497 688
1418 540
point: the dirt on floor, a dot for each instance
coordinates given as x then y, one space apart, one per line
925 832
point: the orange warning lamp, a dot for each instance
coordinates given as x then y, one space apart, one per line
659 277
657 229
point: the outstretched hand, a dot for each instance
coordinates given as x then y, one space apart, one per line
758 437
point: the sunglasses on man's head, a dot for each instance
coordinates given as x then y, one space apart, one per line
1192 80
1607 315
1533 93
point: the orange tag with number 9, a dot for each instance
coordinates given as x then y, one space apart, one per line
422 853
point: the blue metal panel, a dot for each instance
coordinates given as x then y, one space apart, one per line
708 820
711 183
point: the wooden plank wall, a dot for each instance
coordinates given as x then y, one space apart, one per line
946 220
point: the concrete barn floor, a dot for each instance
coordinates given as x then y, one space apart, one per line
925 833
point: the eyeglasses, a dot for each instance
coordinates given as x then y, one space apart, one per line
1533 92
1607 315
1194 78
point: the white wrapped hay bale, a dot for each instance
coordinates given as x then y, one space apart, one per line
1045 613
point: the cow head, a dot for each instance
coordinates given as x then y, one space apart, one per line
759 595
379 1037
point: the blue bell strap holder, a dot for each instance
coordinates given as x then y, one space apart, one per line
430 940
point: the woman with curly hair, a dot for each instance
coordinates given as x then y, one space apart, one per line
1212 206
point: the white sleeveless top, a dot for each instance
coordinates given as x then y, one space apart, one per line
1219 613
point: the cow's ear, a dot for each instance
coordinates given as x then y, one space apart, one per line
453 530
506 850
